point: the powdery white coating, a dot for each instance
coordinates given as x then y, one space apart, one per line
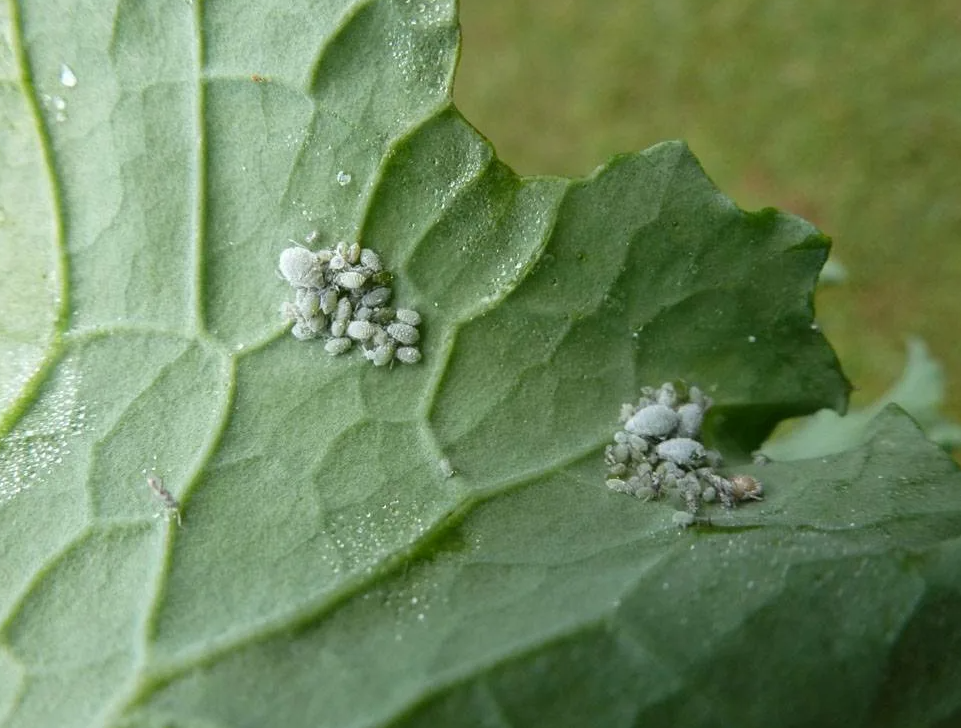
299 267
691 417
351 280
408 354
338 346
403 333
407 316
360 330
656 420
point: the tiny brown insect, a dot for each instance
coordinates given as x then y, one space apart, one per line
257 78
744 487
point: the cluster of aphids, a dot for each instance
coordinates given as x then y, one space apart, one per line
343 296
658 452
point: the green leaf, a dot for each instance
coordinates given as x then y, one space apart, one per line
326 571
919 391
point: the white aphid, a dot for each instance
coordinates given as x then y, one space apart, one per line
683 519
656 420
351 280
408 354
307 301
328 300
667 395
344 309
316 324
619 486
363 313
301 331
299 267
691 416
338 328
377 297
620 453
682 451
353 253
370 260
403 333
360 330
382 355
407 316
337 346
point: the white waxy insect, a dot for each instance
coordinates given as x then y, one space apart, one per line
299 267
638 446
619 486
363 313
338 328
328 300
403 333
382 355
620 453
445 468
337 346
377 297
338 262
744 487
620 437
289 312
308 302
617 470
682 451
302 332
667 395
360 330
380 337
655 421
683 519
316 324
353 253
691 416
408 316
351 280
709 495
170 504
369 259
408 354
344 309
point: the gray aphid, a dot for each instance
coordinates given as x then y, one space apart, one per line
370 259
620 453
351 280
682 451
656 420
344 309
691 416
408 354
299 267
360 330
667 395
353 253
363 313
382 355
377 297
301 331
403 333
308 302
338 346
683 519
408 316
328 300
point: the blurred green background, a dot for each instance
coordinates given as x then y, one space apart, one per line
848 114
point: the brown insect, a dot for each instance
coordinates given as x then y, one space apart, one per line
171 505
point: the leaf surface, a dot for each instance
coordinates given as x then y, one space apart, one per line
326 571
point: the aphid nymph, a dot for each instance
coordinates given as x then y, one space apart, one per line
170 504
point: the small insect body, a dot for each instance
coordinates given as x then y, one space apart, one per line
403 333
171 505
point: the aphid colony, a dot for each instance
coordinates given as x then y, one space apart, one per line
342 295
658 452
